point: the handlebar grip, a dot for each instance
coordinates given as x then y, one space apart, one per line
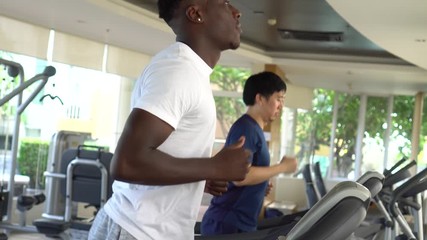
409 203
12 71
49 71
388 172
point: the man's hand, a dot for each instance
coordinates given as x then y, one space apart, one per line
216 188
269 187
232 162
290 164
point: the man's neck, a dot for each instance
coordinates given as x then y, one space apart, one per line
253 114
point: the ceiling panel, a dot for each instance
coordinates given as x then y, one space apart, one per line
134 27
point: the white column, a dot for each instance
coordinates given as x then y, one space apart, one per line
333 130
416 125
387 132
360 135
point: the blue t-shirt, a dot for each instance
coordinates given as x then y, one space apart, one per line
240 206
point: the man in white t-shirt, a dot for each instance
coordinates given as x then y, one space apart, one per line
163 156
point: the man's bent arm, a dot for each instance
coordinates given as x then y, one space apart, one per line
137 159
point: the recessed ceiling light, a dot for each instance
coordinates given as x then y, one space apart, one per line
272 21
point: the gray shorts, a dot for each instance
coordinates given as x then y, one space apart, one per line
103 228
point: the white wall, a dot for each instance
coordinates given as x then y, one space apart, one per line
291 189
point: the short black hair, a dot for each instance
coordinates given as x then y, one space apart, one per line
167 9
264 83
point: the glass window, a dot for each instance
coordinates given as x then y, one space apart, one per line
227 84
313 130
401 129
229 109
423 136
375 129
74 99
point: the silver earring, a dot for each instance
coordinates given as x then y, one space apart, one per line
199 19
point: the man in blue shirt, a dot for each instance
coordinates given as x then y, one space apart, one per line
237 210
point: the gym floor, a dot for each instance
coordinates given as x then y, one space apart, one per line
73 234
27 236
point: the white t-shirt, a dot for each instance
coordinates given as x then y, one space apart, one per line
175 87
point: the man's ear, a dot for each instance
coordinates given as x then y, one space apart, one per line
258 98
193 14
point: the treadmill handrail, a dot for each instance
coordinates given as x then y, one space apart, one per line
403 173
402 189
346 189
387 172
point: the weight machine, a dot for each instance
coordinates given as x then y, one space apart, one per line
6 197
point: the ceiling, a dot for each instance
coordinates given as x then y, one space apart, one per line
357 47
